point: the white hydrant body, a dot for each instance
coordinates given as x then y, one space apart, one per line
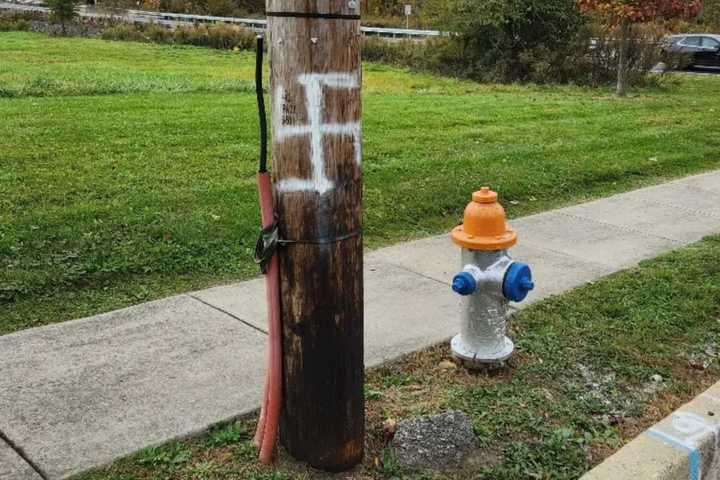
489 280
482 336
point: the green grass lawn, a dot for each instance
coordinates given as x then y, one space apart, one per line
580 386
127 170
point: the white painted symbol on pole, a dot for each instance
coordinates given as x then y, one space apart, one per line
314 85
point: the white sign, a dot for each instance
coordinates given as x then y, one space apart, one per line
408 10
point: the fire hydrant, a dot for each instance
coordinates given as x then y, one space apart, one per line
489 280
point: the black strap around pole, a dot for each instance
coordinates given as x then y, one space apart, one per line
329 16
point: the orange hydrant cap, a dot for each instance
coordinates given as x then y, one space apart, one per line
485 195
485 224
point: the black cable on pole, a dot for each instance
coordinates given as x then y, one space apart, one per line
261 103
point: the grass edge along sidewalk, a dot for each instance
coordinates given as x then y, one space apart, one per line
595 366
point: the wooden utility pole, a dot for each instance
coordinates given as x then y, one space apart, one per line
315 82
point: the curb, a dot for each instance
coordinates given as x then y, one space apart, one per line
682 446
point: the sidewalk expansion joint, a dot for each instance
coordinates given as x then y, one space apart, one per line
701 213
621 228
222 310
419 274
575 258
21 453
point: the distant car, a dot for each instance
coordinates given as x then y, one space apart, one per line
700 49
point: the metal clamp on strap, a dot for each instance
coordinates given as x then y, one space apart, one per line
269 241
266 246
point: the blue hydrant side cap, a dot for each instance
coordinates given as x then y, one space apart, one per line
464 283
518 282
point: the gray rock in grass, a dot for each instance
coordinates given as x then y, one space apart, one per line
435 443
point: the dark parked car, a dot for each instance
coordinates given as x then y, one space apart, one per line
698 49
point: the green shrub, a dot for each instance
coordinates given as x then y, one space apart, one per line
158 34
62 11
124 31
527 46
221 36
596 61
391 13
13 20
403 53
434 55
497 41
14 25
232 8
512 40
221 8
711 15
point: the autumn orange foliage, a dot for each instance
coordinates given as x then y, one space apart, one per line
639 11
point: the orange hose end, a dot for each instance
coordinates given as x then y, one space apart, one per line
260 429
274 403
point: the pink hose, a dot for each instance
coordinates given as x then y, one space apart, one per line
267 427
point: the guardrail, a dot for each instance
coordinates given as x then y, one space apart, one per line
258 25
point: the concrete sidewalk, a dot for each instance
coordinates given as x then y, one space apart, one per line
80 394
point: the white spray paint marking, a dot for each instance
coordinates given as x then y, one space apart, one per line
314 85
691 427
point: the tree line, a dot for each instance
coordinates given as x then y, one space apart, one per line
561 41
